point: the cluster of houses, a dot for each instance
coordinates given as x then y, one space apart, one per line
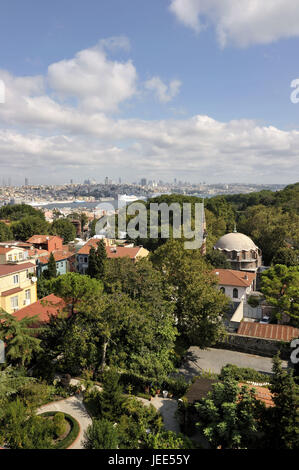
22 263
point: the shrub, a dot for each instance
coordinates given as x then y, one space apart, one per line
59 424
242 373
101 435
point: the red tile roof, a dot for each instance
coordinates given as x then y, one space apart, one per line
230 277
43 308
93 242
268 331
112 251
261 393
11 292
6 269
41 238
59 255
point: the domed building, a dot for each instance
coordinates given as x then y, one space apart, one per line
241 251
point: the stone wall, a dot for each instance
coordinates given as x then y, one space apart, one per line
252 345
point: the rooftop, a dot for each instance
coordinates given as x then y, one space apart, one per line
268 331
43 308
230 277
6 269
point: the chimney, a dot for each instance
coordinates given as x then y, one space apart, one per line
246 277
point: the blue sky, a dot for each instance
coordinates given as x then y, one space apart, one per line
193 102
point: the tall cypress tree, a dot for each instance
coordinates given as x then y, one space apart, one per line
101 257
52 271
92 269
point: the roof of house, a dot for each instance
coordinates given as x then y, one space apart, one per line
261 393
268 331
59 255
15 244
199 389
6 269
41 238
43 308
230 277
112 251
85 249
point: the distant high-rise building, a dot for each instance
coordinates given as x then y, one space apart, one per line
71 181
143 182
26 182
119 180
106 180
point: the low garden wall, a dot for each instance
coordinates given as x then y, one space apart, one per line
258 346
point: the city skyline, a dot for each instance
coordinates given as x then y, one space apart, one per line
157 90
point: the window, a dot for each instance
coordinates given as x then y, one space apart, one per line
235 293
222 290
85 259
16 279
14 302
9 257
20 256
61 264
27 294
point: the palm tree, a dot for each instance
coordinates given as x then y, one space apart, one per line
21 341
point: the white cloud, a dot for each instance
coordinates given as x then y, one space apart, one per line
98 83
241 22
164 93
43 135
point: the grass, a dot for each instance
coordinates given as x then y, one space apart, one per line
72 435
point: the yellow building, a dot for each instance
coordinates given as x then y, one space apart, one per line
17 286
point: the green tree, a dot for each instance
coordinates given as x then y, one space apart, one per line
282 423
92 269
64 229
101 434
51 270
5 233
29 226
218 260
112 397
15 212
75 288
270 228
286 256
230 417
23 430
101 257
44 287
280 285
199 306
168 440
20 339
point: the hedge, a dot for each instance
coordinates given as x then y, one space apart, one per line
177 387
73 434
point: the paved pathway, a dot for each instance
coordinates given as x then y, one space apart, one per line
167 407
73 406
214 359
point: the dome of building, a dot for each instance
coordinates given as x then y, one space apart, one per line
235 242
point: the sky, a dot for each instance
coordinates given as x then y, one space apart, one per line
197 90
